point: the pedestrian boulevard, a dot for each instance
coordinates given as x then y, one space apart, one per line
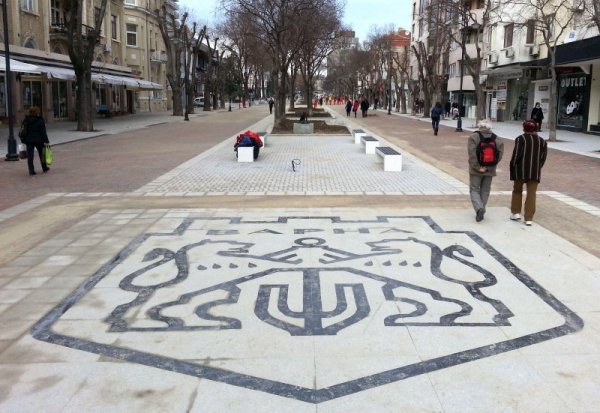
229 287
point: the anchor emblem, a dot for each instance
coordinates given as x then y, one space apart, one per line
313 313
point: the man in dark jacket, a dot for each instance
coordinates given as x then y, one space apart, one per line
364 106
35 137
528 158
537 114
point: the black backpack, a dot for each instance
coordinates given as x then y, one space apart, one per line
487 152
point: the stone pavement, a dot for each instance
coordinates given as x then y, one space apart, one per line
204 285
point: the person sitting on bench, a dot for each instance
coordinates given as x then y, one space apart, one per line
249 138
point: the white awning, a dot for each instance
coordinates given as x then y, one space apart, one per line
18 66
147 85
58 72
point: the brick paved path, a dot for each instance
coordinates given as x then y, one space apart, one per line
447 151
123 162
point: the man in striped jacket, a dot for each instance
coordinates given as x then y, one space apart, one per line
528 158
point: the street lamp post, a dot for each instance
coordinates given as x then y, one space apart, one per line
11 155
186 83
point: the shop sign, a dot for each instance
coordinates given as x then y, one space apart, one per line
572 101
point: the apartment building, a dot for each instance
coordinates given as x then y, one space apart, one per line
42 74
515 60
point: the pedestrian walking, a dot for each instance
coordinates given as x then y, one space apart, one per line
364 106
447 107
35 138
355 107
482 167
537 114
436 113
528 158
271 104
348 107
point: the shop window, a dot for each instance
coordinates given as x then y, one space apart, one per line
59 99
32 93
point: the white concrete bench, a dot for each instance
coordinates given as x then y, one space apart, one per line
263 138
370 143
392 159
357 134
245 154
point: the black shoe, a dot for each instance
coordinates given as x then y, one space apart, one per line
31 173
46 169
479 215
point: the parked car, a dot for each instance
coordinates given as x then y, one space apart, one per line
199 102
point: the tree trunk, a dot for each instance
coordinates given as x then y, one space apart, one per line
280 92
177 104
552 107
85 113
402 101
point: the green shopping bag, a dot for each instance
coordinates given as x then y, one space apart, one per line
48 155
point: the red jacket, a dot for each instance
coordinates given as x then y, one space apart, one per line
257 141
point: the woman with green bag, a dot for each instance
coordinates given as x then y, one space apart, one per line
35 137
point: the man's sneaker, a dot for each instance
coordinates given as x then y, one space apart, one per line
528 223
515 217
479 215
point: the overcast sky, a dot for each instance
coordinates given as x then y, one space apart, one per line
360 15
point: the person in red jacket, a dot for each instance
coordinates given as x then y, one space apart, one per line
249 138
528 158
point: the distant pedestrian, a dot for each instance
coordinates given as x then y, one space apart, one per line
537 114
436 114
528 158
455 111
375 103
271 104
480 176
447 107
355 107
348 107
364 106
35 138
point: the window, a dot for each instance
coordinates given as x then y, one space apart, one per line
452 72
55 13
31 92
113 27
549 26
530 32
131 2
508 34
131 30
28 5
421 6
414 10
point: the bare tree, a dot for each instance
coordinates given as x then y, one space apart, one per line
550 19
196 40
320 34
277 24
81 42
430 57
174 33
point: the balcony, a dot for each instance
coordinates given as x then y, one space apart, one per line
158 57
60 30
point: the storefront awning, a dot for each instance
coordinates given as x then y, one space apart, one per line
147 85
18 66
58 72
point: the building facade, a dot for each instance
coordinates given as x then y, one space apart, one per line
515 61
42 74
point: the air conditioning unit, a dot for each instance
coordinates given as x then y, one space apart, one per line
534 50
493 59
510 52
108 47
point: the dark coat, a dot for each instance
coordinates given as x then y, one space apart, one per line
537 114
437 112
36 130
364 105
528 158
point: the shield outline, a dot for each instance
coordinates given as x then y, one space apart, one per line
42 330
